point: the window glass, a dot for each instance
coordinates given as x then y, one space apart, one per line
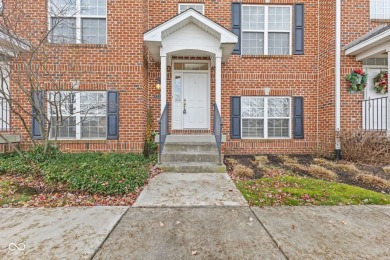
81 112
63 30
252 43
380 9
253 128
278 43
63 8
178 88
274 123
94 30
259 38
78 21
253 17
191 66
279 18
94 7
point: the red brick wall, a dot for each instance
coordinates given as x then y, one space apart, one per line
117 65
355 23
125 64
247 75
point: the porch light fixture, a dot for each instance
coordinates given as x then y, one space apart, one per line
158 84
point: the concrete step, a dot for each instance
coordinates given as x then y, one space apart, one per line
190 139
183 157
193 167
191 147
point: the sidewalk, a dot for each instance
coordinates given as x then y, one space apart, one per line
189 219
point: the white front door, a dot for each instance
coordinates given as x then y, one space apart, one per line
374 104
190 100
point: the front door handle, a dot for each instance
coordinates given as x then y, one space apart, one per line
184 105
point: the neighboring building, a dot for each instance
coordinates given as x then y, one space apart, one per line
270 67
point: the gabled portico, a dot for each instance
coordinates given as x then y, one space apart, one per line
190 34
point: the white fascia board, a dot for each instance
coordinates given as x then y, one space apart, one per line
380 38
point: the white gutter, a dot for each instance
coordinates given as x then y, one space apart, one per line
338 77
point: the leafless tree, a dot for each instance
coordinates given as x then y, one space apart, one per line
33 61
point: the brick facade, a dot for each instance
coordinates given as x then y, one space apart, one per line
124 64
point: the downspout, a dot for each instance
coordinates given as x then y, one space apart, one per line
338 80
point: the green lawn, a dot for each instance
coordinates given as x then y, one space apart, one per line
291 190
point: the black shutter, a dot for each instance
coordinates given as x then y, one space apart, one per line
298 118
38 99
299 29
235 124
112 115
236 25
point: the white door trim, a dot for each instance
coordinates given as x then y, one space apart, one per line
182 73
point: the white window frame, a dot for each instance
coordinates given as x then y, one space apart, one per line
266 31
79 18
265 118
375 6
181 4
78 115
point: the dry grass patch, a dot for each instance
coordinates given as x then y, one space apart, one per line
373 181
386 169
261 159
242 171
261 162
336 166
321 172
292 163
231 161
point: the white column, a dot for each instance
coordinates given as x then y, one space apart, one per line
218 82
388 97
163 77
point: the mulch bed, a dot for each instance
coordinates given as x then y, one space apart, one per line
306 160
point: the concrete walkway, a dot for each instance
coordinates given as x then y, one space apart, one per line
188 219
190 190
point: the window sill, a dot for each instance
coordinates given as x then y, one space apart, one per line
80 140
80 45
265 139
376 20
267 56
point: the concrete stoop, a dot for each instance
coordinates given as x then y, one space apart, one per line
191 154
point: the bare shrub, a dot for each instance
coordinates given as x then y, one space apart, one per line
363 146
242 171
373 181
321 173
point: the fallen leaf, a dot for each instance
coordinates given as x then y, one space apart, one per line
161 224
344 222
251 219
194 252
177 222
293 226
